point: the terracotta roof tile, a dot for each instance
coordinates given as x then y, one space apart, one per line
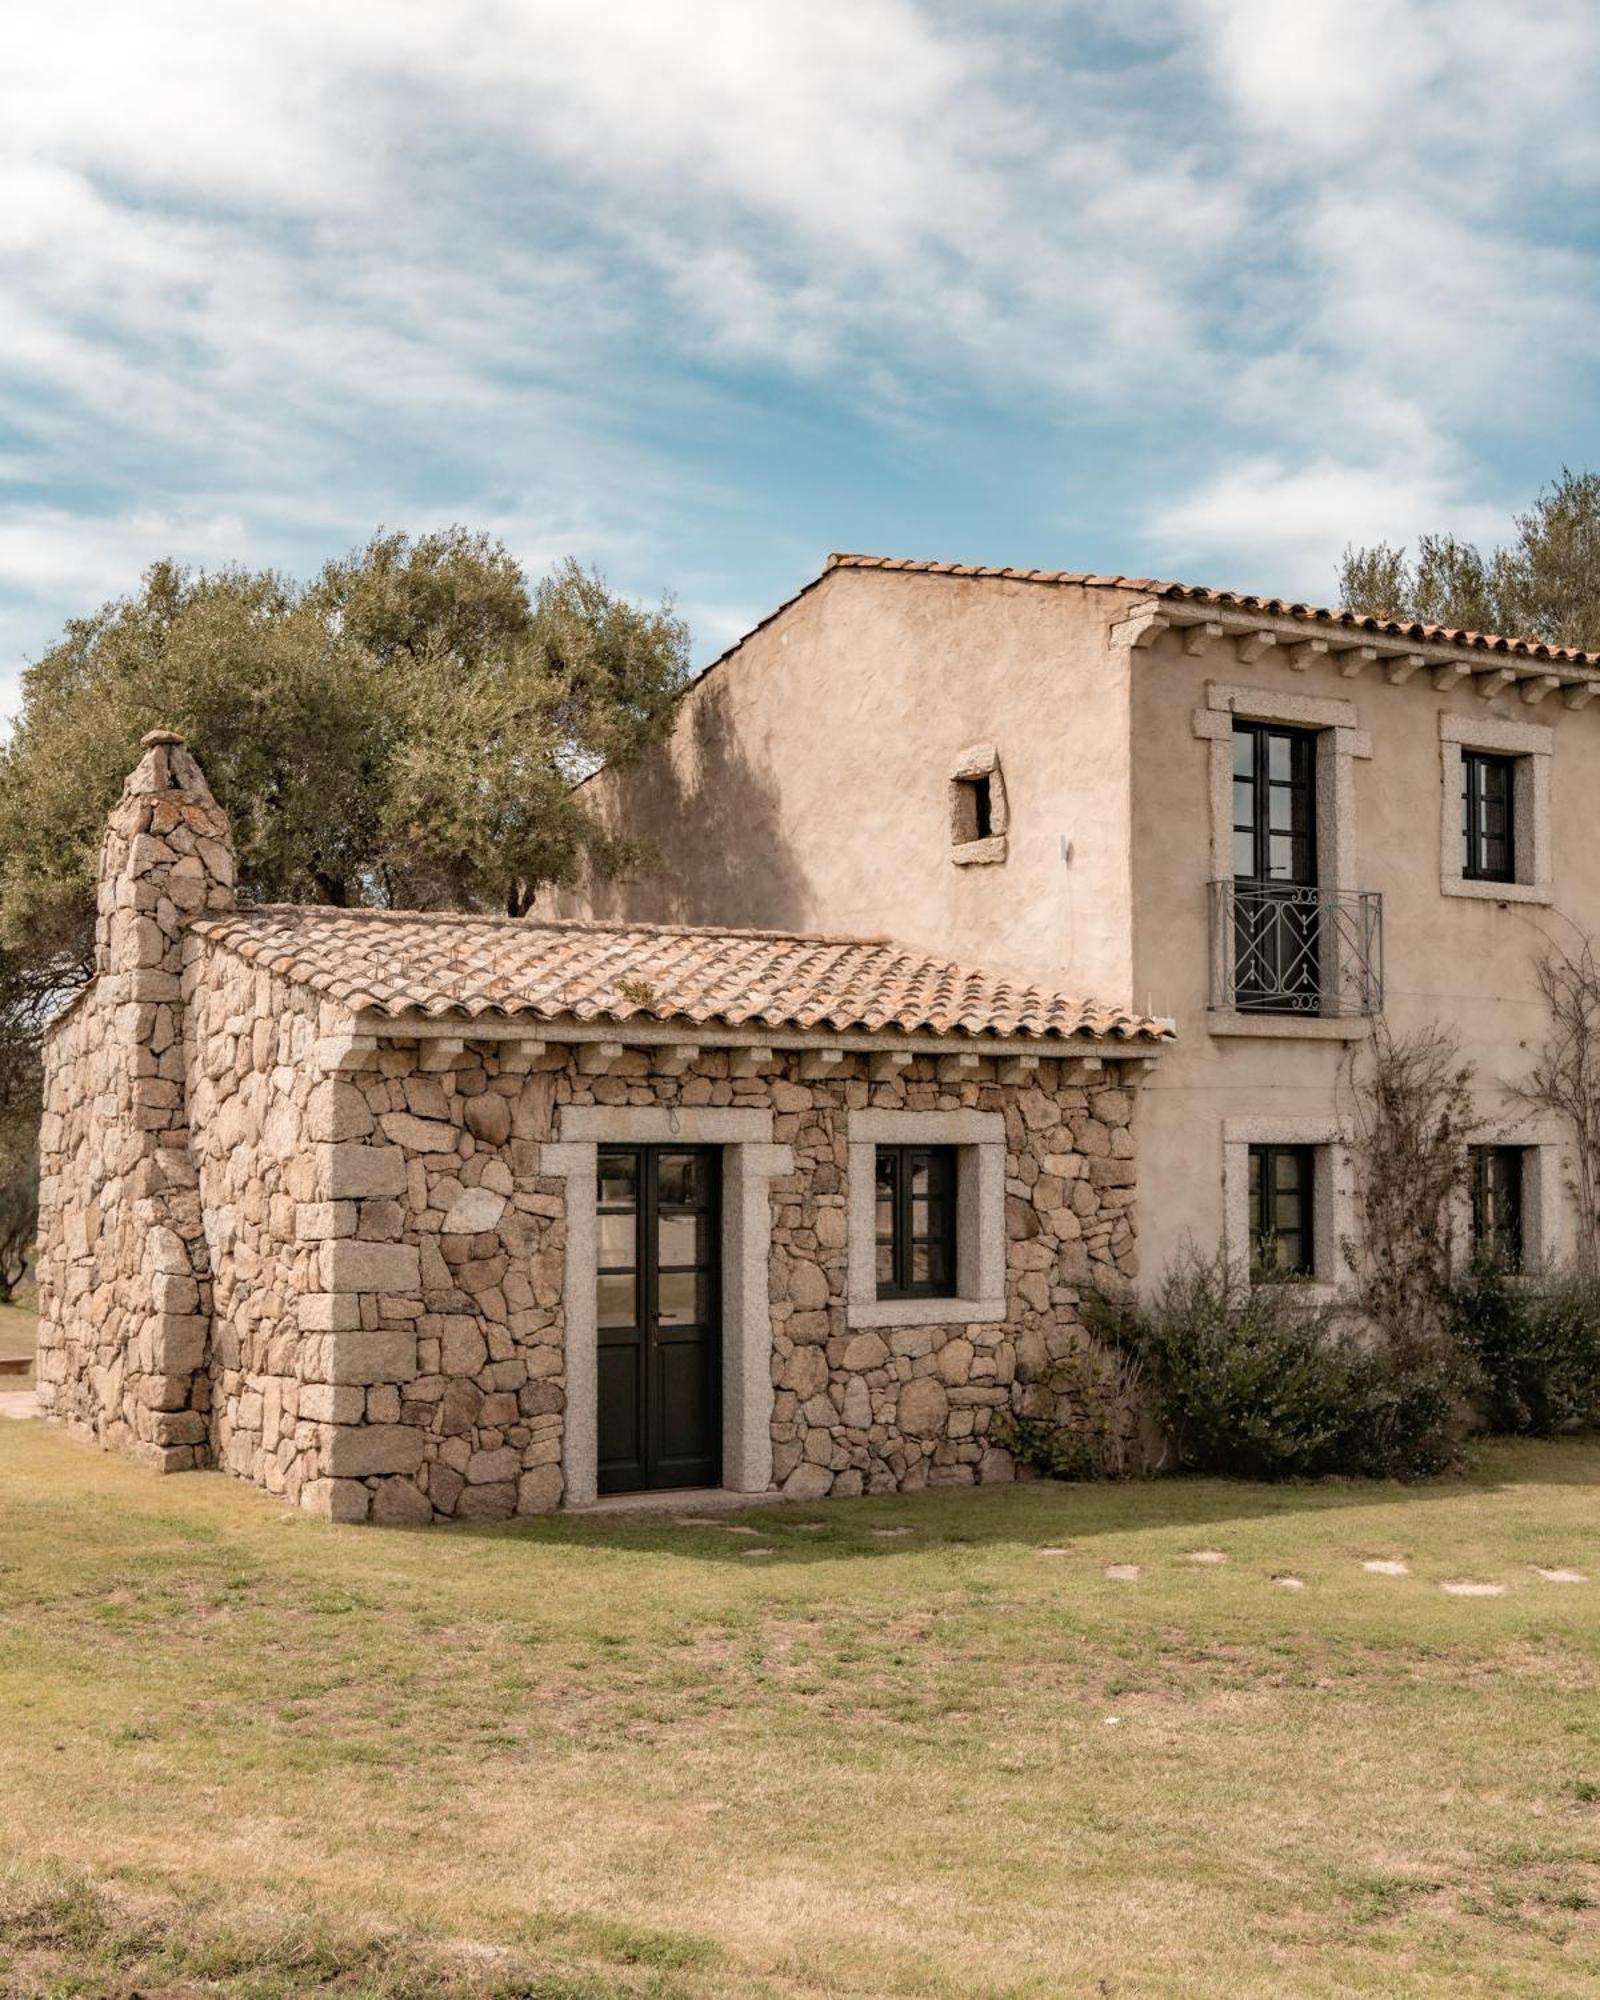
402 962
1271 607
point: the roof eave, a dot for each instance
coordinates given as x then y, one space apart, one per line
1138 1039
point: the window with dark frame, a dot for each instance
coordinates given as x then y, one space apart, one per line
1277 941
1497 1235
1281 1240
916 1222
1488 817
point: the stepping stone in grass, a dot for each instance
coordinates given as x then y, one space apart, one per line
1212 1556
734 1528
1473 1589
808 1527
1289 1582
894 1531
748 1553
1560 1575
1382 1566
1123 1572
1050 1550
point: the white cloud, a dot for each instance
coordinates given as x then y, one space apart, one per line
1296 519
274 272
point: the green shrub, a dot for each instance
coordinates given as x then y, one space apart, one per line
1536 1345
1274 1382
1081 1418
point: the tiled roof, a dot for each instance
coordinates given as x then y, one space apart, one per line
403 962
1233 600
1194 593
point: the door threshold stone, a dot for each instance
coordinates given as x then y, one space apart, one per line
677 1500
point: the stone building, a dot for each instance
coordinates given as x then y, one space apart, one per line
415 1216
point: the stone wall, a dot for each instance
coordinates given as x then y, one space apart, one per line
124 1279
389 1316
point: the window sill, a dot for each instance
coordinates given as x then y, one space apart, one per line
1290 1027
923 1312
980 853
1496 892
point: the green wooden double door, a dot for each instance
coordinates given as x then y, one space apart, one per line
658 1317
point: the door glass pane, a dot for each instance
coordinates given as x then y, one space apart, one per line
885 1263
920 1171
1244 753
616 1294
679 1298
1280 758
679 1239
678 1178
618 1177
1244 855
617 1238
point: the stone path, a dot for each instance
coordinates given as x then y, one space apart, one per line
18 1403
1127 1572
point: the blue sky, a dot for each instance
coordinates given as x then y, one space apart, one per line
697 290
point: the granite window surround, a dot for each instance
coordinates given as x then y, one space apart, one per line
980 1141
1531 744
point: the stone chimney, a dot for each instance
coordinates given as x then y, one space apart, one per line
167 855
129 1298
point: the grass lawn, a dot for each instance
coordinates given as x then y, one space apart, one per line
246 1753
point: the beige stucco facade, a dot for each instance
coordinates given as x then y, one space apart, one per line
808 784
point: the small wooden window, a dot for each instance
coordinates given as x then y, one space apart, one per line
973 814
916 1222
1281 1240
1497 1205
1488 817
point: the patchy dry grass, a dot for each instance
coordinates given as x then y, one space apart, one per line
244 1753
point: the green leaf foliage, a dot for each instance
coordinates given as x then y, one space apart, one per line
404 730
1543 584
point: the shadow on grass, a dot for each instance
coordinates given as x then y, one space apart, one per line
1041 1511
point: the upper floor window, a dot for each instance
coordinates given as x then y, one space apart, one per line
979 814
1488 817
1282 1243
1277 925
916 1222
1274 804
1497 1234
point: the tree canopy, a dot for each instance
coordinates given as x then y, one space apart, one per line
1542 584
404 730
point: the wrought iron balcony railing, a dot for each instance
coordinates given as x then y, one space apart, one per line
1279 948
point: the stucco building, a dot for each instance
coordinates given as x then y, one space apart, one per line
1264 821
406 1217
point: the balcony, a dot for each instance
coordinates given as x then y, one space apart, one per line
1279 948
